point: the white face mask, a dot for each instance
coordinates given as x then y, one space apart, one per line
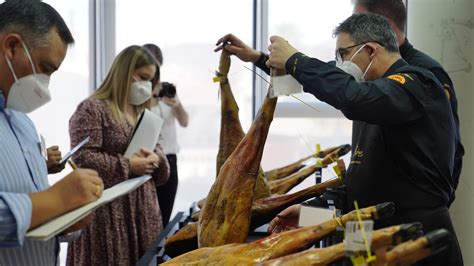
352 68
140 92
29 92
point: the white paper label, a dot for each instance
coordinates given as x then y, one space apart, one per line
354 239
43 149
284 85
313 215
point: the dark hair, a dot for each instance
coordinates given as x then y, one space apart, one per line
156 51
394 10
33 20
367 27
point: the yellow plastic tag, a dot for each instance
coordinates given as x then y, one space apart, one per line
366 243
337 170
360 260
318 148
339 222
371 258
338 173
216 79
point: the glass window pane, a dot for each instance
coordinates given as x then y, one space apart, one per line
69 85
308 26
291 139
186 32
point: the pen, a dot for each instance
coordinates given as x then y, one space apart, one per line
72 164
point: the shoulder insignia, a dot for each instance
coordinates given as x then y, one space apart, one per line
408 76
446 89
398 78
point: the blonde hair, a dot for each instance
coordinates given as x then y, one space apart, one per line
116 86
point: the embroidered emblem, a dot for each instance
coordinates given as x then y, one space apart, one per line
398 78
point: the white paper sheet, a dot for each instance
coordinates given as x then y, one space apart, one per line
59 224
284 85
354 238
145 134
313 215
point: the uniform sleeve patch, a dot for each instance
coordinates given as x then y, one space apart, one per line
408 76
446 89
398 78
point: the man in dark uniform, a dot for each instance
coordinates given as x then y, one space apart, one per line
395 12
405 146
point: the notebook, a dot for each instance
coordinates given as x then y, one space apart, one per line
50 229
145 134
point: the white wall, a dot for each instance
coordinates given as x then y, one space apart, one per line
445 30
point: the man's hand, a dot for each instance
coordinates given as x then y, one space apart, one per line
286 220
236 47
144 162
54 156
280 52
80 187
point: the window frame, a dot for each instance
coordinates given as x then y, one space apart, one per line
102 40
284 109
103 33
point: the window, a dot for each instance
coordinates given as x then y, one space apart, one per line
186 32
186 38
69 85
308 26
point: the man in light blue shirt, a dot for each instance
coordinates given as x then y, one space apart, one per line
33 44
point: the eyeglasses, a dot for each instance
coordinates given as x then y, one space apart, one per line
342 51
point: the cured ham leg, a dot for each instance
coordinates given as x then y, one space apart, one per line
231 129
182 241
415 250
287 170
324 256
263 210
225 217
283 185
277 245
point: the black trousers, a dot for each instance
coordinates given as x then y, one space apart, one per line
167 192
431 220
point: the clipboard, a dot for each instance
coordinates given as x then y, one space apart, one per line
74 150
50 229
145 134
